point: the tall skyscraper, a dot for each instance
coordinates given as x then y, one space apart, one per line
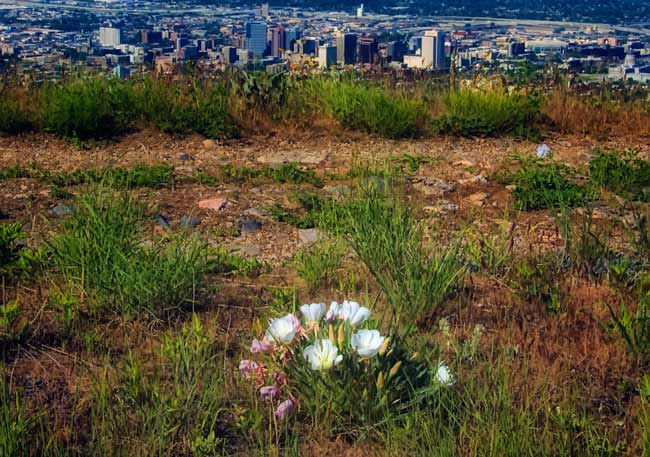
290 37
256 37
433 49
368 50
326 56
278 38
346 48
360 11
265 10
110 37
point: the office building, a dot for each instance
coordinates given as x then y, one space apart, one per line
368 50
346 48
327 56
290 38
278 38
256 37
265 10
433 50
109 37
229 54
360 11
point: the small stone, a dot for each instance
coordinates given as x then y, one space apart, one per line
337 191
214 204
162 221
248 250
478 198
511 187
189 222
433 186
443 208
256 212
209 144
463 163
478 179
249 225
309 236
61 210
185 157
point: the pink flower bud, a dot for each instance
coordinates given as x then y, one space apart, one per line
269 393
247 367
284 409
263 345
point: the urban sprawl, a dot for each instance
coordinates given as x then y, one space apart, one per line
125 38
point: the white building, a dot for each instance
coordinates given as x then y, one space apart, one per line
326 56
110 37
433 49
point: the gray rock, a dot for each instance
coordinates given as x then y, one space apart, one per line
190 222
62 210
249 225
185 157
309 236
162 221
247 250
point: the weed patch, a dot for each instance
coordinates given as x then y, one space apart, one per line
487 113
543 184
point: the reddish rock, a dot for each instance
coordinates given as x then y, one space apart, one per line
215 204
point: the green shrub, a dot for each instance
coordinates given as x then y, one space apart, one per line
178 406
101 255
543 184
13 172
13 117
186 106
625 174
373 110
415 276
318 264
88 108
141 175
487 113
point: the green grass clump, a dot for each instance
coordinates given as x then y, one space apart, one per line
100 254
625 174
286 173
416 277
373 110
492 113
222 260
319 264
543 184
13 173
185 107
88 108
141 175
13 117
179 407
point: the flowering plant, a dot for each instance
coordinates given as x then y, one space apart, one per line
336 364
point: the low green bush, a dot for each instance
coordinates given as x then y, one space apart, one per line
100 254
624 173
88 108
186 106
544 184
487 113
374 110
14 118
415 276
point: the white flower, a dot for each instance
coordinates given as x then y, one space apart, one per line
349 311
313 312
333 312
543 151
322 355
283 329
367 342
444 376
